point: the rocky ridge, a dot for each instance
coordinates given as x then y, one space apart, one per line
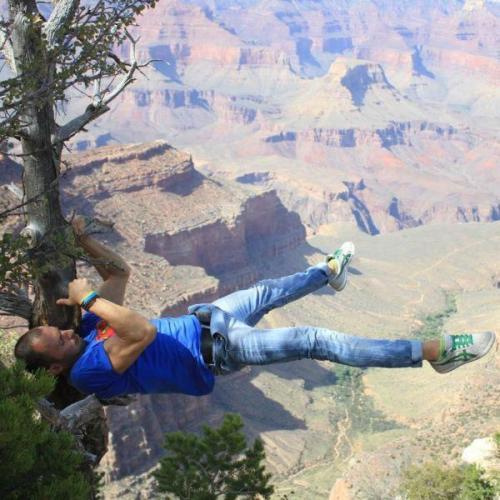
169 211
317 429
189 238
381 114
401 96
311 424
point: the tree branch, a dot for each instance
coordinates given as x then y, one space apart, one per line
100 105
15 302
15 190
60 20
85 419
77 124
53 185
6 45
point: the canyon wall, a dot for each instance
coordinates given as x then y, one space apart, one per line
189 239
381 114
169 211
399 95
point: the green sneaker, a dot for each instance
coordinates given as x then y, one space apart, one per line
456 350
338 262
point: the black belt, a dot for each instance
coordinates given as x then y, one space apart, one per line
207 342
206 339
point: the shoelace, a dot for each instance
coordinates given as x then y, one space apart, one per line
461 341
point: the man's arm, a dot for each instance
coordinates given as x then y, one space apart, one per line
133 331
111 267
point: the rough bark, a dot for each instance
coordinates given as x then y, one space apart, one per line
45 223
86 420
60 18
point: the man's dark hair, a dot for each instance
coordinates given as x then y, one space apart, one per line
23 350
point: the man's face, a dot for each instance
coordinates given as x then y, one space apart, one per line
63 346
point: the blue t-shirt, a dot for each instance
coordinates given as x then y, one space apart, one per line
171 363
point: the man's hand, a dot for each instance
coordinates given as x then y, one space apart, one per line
77 290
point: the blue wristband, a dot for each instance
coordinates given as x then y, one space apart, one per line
88 300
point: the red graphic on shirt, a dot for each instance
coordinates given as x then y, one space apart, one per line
104 331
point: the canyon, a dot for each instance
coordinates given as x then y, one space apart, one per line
191 238
262 136
399 98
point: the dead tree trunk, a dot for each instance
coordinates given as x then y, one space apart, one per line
45 228
45 225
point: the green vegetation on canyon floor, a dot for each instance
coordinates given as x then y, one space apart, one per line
432 324
435 481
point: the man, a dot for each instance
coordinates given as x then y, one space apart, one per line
120 352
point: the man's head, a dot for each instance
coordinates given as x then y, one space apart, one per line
49 347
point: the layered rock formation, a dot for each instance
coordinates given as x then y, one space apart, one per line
189 238
161 205
263 230
400 95
381 114
154 194
164 207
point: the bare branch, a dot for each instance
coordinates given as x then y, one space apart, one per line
15 302
59 21
6 45
100 106
77 124
15 190
97 90
85 419
68 22
123 65
53 185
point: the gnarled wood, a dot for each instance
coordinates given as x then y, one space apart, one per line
41 170
15 302
57 25
86 421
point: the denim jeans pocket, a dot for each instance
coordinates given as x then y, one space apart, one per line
223 364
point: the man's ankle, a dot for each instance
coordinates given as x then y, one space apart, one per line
431 350
333 266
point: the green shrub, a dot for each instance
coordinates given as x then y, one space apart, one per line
35 462
433 481
217 464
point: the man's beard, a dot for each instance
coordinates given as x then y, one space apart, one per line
74 358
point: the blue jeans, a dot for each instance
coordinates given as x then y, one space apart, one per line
238 342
